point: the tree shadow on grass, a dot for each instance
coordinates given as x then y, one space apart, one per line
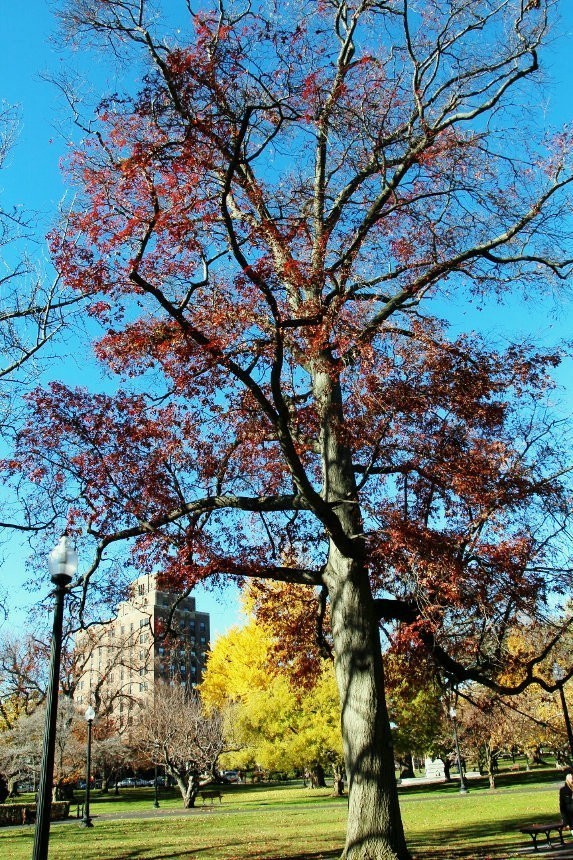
482 841
137 854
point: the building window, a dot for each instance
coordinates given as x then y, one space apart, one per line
141 589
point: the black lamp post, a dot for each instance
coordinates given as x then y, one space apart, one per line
558 676
89 717
156 797
463 786
62 563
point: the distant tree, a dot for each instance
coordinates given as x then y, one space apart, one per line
273 721
264 222
173 730
415 706
4 790
237 664
111 752
486 731
21 748
22 678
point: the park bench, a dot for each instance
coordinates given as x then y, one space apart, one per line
535 830
211 795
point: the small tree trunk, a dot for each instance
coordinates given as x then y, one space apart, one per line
490 762
192 790
188 785
338 785
407 765
13 785
317 779
447 774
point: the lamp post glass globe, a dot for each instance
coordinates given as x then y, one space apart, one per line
63 562
89 714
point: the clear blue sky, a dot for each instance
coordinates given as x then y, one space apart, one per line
33 178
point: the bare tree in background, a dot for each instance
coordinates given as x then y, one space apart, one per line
174 731
23 680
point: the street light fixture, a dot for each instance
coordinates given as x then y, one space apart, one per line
62 563
89 718
463 786
559 678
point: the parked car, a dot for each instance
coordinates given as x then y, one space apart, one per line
128 782
231 775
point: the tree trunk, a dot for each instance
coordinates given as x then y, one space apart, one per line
188 785
338 783
317 779
374 829
13 785
447 774
490 762
407 765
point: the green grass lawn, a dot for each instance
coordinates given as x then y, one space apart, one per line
299 824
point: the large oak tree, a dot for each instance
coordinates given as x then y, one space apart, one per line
265 223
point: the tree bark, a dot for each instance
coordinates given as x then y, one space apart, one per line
188 785
317 776
407 765
375 829
13 785
338 780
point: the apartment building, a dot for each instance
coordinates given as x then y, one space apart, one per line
156 636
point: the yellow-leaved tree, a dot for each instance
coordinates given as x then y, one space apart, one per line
276 723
